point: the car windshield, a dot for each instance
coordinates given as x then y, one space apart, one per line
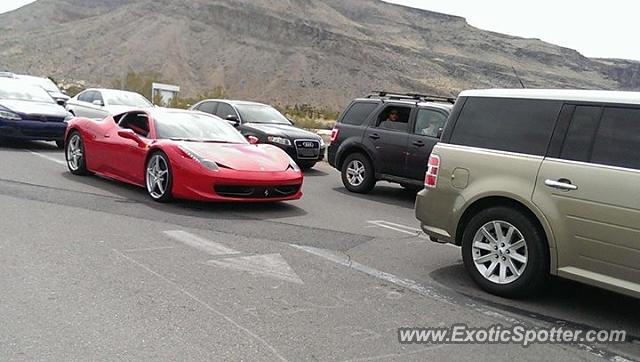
130 99
191 126
45 83
23 91
257 113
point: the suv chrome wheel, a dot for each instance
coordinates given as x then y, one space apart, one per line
499 252
355 173
157 176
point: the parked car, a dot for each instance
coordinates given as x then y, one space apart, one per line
539 182
100 103
269 126
48 85
28 112
387 136
181 154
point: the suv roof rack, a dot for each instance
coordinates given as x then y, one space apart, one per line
411 96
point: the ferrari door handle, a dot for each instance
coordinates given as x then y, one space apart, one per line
562 184
418 143
374 136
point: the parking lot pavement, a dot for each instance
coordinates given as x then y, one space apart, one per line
94 268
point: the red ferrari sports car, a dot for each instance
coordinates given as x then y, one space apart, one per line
181 154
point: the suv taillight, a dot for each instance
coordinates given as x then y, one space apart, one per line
334 133
431 178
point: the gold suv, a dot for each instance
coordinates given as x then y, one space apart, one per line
537 182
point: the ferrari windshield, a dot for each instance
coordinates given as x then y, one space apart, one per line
258 113
130 99
23 91
192 126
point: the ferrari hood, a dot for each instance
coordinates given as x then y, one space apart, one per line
241 157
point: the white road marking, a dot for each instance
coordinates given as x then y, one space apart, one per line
404 283
207 306
199 243
60 162
404 229
149 249
270 265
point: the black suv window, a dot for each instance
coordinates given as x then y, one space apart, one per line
577 143
429 122
225 110
358 113
618 138
208 107
394 118
514 125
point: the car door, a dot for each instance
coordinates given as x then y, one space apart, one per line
128 156
588 190
387 140
426 128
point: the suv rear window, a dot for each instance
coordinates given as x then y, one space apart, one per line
358 113
514 125
618 138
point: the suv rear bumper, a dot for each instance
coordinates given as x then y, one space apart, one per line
438 213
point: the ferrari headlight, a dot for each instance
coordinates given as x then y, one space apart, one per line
293 165
279 140
8 115
210 165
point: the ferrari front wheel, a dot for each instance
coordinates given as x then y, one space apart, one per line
158 177
75 154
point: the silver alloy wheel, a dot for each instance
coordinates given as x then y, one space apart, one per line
355 173
157 176
74 152
499 252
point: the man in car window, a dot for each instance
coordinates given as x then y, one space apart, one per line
393 121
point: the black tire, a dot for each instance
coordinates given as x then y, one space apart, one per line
306 165
155 193
533 275
77 167
60 144
368 175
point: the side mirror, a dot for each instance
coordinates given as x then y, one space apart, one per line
253 140
440 132
98 103
233 120
61 102
130 135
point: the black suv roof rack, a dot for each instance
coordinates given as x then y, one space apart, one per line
411 96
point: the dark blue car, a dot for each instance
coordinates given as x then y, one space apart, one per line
28 112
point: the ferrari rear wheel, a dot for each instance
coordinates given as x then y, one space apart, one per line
158 177
75 155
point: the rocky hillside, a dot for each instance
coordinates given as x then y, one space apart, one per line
320 52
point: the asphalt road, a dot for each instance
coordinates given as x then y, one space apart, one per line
94 270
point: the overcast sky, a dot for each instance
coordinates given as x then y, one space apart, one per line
595 28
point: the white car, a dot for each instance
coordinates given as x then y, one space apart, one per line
99 103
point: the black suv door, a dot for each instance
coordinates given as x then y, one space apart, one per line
387 139
424 135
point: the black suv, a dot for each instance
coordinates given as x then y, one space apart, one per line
387 136
268 125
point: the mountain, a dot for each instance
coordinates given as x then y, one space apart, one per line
319 52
